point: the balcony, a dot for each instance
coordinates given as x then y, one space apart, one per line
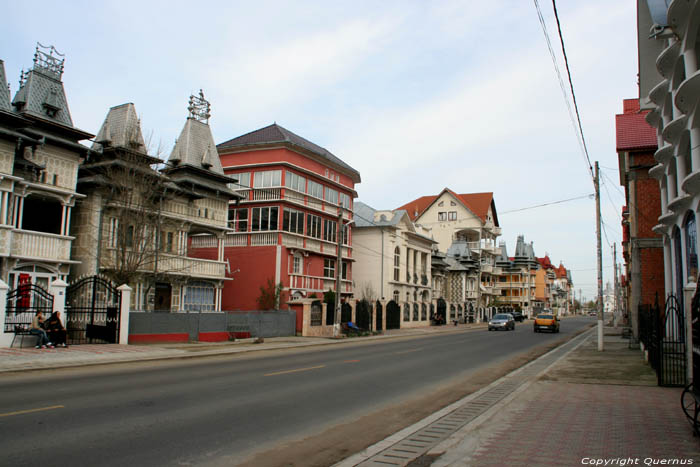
486 268
165 263
688 92
672 132
37 245
667 60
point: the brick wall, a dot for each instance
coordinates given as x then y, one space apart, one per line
648 200
652 275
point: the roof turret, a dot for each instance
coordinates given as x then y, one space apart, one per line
121 129
4 90
41 93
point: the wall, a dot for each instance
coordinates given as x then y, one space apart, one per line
208 327
255 266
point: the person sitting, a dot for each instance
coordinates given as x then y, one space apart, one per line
37 330
54 327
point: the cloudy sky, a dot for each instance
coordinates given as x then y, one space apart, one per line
417 96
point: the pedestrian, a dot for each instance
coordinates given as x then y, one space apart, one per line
37 330
56 331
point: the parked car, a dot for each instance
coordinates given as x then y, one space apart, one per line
592 313
546 322
503 321
518 316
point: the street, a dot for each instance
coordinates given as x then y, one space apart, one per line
226 410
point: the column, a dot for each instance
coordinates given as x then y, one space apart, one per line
20 213
58 289
5 338
124 314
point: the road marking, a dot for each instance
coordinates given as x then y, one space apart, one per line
351 361
408 351
22 412
294 371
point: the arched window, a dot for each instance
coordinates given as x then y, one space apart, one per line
691 245
397 263
678 257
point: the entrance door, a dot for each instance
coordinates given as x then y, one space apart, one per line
163 294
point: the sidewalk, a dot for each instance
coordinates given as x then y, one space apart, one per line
27 359
588 408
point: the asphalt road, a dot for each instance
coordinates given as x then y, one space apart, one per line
193 412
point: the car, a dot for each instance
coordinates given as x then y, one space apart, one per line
546 322
503 321
518 316
592 313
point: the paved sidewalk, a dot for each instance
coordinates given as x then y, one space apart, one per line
29 358
588 408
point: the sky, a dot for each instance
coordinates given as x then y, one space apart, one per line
417 96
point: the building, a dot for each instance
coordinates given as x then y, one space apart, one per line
544 281
284 230
136 222
39 157
393 260
471 219
642 248
515 281
562 291
674 100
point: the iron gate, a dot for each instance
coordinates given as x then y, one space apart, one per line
393 315
345 313
663 335
441 314
362 314
22 305
92 306
380 318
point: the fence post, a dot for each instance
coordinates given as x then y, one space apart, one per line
688 292
124 313
58 289
5 338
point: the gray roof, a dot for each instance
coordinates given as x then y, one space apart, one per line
365 216
121 128
4 90
41 93
503 259
196 147
277 134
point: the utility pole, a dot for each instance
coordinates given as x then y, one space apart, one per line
596 182
616 286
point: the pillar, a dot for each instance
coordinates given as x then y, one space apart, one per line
58 289
5 338
125 308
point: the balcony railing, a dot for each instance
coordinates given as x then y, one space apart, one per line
39 245
165 263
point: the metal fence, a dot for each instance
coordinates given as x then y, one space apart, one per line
663 336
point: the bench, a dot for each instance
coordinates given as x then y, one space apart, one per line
19 324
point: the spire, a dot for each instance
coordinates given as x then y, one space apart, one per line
195 146
41 93
122 129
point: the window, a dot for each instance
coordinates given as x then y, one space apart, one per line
313 226
396 296
441 203
113 231
346 235
267 178
293 221
243 181
691 248
331 195
129 241
344 272
452 215
452 203
345 201
329 230
199 296
169 242
295 182
297 265
238 219
442 216
315 189
397 263
328 267
264 219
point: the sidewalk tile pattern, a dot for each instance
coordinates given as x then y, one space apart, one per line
570 422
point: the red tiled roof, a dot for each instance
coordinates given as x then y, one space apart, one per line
545 263
561 271
632 130
478 203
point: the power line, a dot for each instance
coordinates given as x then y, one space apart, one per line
562 86
571 84
547 204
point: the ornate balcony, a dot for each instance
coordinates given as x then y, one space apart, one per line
36 245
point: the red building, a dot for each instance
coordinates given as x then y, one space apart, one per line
642 247
286 227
